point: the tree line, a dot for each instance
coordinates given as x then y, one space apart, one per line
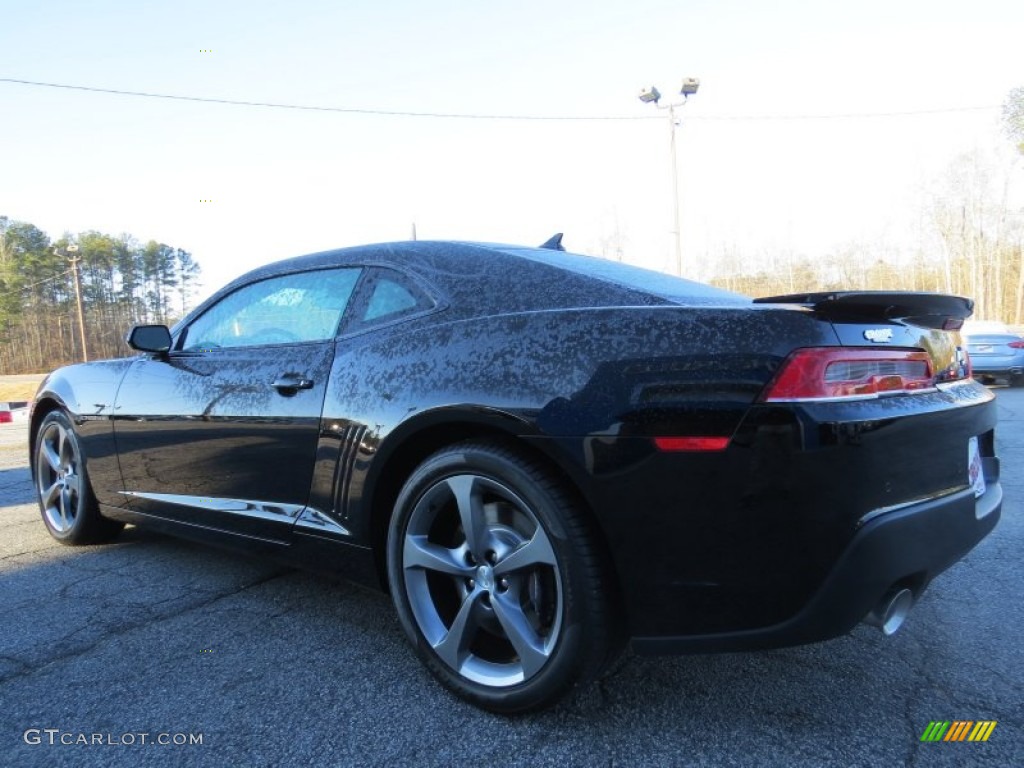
970 242
970 245
122 282
992 276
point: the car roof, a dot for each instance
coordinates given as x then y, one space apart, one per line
479 279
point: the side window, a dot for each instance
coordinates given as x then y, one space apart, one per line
280 310
391 295
388 298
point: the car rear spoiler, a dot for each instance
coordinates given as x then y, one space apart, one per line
927 310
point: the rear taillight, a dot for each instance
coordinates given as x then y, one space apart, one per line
843 373
5 417
1016 344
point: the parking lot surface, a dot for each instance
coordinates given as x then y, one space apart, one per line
267 666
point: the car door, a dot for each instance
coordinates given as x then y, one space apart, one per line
222 432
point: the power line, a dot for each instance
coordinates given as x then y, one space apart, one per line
850 115
313 108
472 116
47 280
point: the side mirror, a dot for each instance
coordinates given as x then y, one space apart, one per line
149 338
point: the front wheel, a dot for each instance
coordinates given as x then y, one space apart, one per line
497 578
65 497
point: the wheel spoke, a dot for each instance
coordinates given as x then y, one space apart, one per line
454 646
64 505
420 553
536 551
52 494
51 456
64 449
74 485
524 639
471 512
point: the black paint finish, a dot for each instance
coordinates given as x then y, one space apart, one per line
583 362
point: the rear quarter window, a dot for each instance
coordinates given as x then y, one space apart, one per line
387 295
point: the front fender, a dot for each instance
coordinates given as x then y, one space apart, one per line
87 393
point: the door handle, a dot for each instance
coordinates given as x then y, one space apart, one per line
290 383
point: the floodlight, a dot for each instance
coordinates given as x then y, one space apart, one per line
648 95
690 86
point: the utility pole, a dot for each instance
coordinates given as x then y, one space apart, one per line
74 259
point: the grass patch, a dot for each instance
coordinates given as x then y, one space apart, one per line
17 388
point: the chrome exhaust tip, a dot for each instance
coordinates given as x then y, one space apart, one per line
891 611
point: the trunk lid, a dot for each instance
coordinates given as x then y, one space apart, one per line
894 319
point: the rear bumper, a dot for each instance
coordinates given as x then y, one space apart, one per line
905 547
997 365
1002 371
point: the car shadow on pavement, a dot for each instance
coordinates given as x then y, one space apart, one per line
16 487
199 635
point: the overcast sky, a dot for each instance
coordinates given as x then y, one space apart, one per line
791 143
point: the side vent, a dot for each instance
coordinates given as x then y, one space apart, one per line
351 439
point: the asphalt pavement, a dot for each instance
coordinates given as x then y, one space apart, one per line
152 651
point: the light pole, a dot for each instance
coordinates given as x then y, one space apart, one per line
653 96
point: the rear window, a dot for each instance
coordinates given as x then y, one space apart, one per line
669 287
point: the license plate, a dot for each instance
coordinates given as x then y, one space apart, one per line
975 474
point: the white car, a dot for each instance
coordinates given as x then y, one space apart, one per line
10 412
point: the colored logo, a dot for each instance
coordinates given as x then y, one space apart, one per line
958 730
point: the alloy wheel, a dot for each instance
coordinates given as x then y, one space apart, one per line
482 580
58 477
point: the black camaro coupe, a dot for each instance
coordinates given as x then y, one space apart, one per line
544 456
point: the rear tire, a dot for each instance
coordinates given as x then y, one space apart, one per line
497 579
66 499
